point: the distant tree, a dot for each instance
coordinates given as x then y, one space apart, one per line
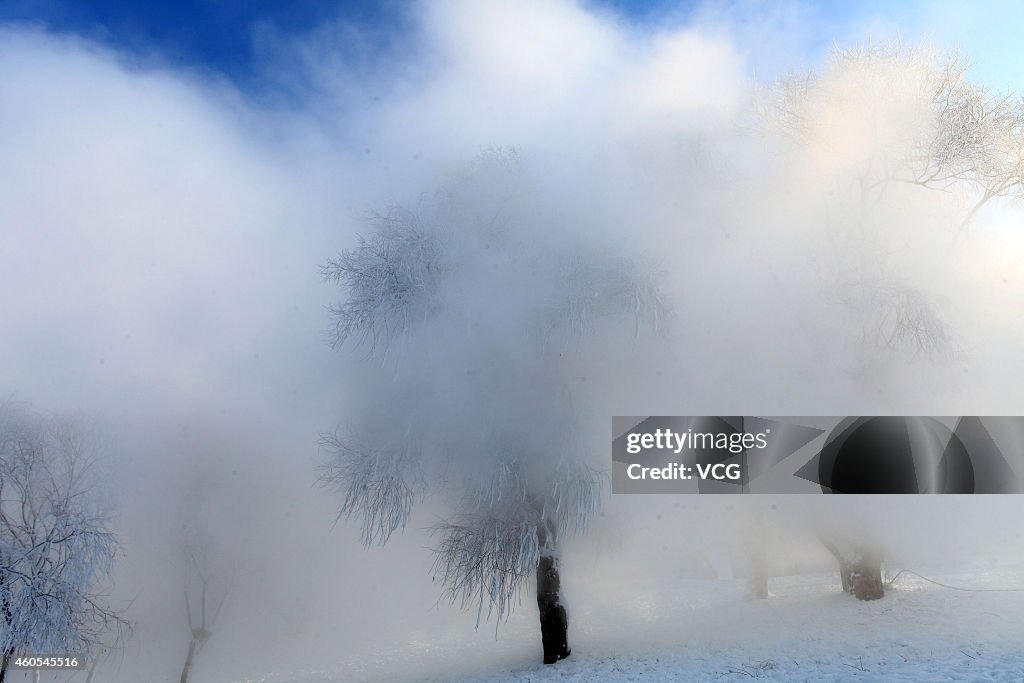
201 606
480 333
208 558
56 549
891 116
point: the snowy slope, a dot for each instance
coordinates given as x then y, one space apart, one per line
700 630
919 632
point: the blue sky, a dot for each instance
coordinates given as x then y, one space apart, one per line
224 36
209 34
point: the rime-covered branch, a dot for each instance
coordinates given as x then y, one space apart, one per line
900 318
598 288
390 280
970 135
575 495
378 484
55 548
483 560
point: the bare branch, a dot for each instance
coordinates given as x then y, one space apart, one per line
600 288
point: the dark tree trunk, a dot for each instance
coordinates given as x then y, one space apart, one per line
8 614
866 574
3 664
554 620
8 620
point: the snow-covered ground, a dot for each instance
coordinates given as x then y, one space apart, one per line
700 630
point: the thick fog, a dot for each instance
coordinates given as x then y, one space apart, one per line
163 234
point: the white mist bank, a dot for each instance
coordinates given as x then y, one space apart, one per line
160 255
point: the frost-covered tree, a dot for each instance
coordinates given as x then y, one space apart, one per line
911 150
476 316
56 549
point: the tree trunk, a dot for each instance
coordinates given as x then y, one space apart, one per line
188 661
5 607
866 574
554 620
3 664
